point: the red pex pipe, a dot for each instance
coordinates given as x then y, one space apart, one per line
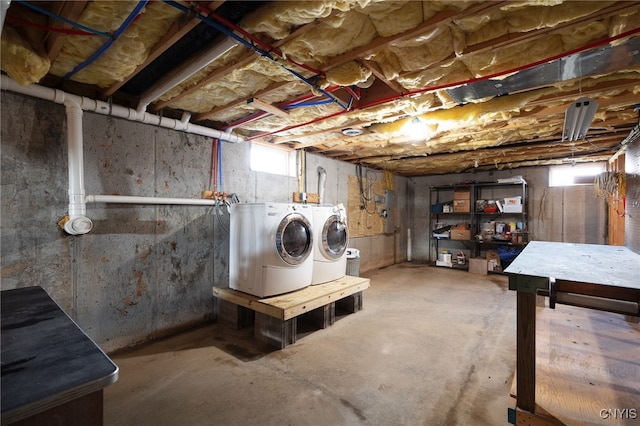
257 116
264 45
449 85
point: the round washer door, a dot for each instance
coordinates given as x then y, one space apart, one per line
294 238
334 238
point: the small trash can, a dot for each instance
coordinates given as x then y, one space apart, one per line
353 262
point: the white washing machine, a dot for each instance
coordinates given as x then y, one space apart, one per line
270 248
330 243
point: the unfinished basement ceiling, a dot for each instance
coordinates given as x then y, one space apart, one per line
412 87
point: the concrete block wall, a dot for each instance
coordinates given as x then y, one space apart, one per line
143 271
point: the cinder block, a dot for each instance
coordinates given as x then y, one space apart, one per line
350 304
274 331
321 317
232 315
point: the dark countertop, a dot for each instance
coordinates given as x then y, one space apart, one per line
47 359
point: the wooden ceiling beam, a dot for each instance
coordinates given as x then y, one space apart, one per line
178 30
261 94
267 107
246 59
444 17
69 10
512 40
539 112
438 19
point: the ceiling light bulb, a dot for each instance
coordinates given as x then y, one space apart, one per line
349 131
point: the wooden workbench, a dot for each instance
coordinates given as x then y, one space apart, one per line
593 276
275 319
586 367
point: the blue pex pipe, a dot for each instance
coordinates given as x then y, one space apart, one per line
134 13
256 49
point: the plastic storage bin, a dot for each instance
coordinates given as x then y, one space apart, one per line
353 262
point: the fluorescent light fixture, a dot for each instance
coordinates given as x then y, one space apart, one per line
578 118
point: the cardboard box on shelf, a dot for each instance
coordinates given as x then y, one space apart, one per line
462 194
461 234
493 261
461 206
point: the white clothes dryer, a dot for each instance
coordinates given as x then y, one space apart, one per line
330 243
270 248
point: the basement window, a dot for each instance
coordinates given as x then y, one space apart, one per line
573 175
272 160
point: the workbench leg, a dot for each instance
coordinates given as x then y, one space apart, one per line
274 331
526 352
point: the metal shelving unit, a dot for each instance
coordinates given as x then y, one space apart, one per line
480 222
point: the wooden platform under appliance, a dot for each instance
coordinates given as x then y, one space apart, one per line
275 318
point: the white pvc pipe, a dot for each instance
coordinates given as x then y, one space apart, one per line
184 72
78 223
100 107
409 244
4 6
128 199
322 183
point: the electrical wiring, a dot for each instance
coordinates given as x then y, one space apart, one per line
267 47
433 89
612 186
65 20
230 199
67 31
224 227
365 193
264 53
132 16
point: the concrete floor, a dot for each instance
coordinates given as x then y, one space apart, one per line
432 346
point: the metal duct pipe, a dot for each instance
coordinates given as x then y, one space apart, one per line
92 105
78 223
322 183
